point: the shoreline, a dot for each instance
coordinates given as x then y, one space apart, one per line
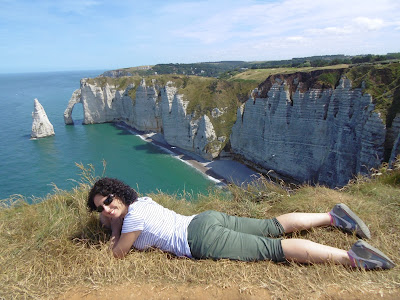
221 171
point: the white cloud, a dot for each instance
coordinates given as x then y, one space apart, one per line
290 18
358 25
369 24
331 31
295 38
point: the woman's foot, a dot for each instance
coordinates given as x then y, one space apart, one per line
364 256
342 217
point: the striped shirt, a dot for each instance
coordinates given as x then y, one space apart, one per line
161 228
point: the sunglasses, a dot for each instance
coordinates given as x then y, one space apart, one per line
107 202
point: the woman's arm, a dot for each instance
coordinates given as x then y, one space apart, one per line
120 243
124 243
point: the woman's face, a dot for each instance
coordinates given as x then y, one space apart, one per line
115 209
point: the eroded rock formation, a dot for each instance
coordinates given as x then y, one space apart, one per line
297 125
154 108
41 126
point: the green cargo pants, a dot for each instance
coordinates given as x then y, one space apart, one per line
216 235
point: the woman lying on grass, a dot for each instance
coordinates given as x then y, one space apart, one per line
143 223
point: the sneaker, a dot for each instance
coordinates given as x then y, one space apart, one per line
344 218
364 256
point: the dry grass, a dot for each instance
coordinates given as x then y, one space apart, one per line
54 245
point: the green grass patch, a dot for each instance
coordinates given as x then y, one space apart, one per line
206 94
259 75
331 79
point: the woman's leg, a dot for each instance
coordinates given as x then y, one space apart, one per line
361 255
305 251
209 238
340 216
302 221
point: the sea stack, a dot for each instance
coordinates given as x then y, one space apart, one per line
41 126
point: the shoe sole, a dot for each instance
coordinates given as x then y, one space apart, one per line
376 252
365 233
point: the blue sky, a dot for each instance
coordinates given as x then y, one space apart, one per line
57 35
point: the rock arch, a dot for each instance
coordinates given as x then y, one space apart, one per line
76 98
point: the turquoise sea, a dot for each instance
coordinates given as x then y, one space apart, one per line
32 168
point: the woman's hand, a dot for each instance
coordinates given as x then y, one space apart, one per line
120 244
116 227
124 244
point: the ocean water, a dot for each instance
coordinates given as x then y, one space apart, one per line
32 168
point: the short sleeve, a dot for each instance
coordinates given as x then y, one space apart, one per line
132 222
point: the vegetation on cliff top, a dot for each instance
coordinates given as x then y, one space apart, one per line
382 82
56 245
227 69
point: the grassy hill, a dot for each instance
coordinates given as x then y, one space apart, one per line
55 245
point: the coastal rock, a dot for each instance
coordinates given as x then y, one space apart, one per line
100 104
393 139
216 112
302 129
153 109
116 73
41 126
76 98
318 136
146 111
185 131
206 142
174 119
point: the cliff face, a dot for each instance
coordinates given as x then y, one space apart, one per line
311 135
146 113
183 130
154 108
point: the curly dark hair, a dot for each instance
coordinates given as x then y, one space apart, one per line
106 186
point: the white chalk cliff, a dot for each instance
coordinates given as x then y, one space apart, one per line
183 130
155 109
41 126
317 136
309 134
